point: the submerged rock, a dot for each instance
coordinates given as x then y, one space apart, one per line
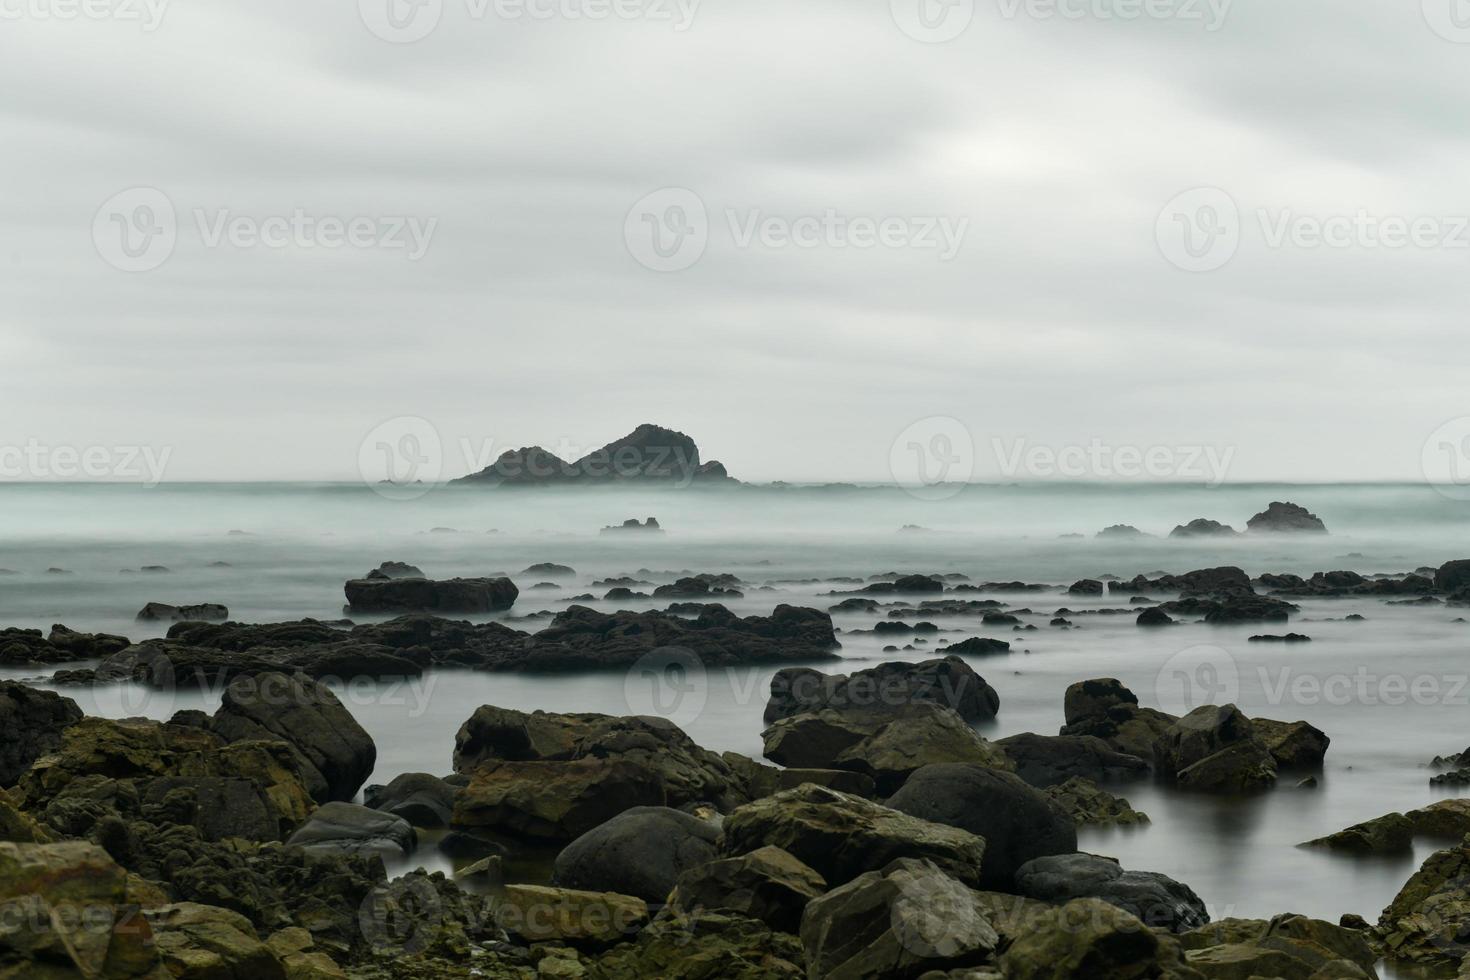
422 799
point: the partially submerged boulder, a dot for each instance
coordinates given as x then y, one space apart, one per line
1215 747
640 852
1046 760
422 799
460 595
948 681
1089 939
1156 899
206 612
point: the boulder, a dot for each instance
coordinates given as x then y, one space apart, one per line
904 920
1215 747
1294 745
1017 822
418 797
1045 760
337 755
1090 939
758 780
1086 586
1286 517
396 569
949 681
31 723
768 884
1292 947
346 828
206 612
1086 804
460 595
978 646
1154 616
1389 834
1157 900
539 914
1453 576
842 836
640 852
200 942
85 646
887 744
1104 708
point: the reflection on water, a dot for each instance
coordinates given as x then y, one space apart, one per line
1390 691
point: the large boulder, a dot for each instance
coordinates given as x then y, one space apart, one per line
1017 822
1216 747
346 828
1290 517
31 723
949 682
767 884
1104 708
1428 921
842 836
1089 939
1293 744
886 743
180 774
640 852
557 776
422 799
1046 760
460 595
337 755
1292 947
1453 576
904 920
1159 901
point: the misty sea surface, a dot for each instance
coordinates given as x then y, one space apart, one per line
1390 691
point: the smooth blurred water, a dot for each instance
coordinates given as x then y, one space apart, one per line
304 541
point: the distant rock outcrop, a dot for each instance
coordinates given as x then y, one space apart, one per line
633 524
1203 527
648 454
1286 517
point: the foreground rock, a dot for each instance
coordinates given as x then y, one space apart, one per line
949 682
337 755
885 744
346 828
768 884
1017 822
1286 946
460 595
640 852
1428 921
556 777
842 836
31 723
1286 517
1090 939
901 921
1156 899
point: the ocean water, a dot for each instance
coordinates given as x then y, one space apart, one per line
1391 691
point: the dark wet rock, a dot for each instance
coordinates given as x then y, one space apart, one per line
1216 747
336 754
640 852
547 569
855 604
1294 745
85 646
31 723
1046 760
901 921
1154 617
1203 527
1233 609
766 884
1122 531
396 569
1086 586
1017 822
422 799
1090 939
1088 804
950 682
1284 581
25 648
1286 517
1000 619
1281 638
1428 921
557 776
1453 576
623 594
252 790
884 743
1104 708
633 524
1389 834
758 780
1155 899
162 612
460 595
842 836
648 454
978 646
1227 579
694 587
346 828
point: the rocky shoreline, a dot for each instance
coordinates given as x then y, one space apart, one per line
880 836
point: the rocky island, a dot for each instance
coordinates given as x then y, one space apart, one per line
649 455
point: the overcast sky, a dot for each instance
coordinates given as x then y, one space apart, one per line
993 234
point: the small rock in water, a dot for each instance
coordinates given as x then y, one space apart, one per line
1278 638
163 612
